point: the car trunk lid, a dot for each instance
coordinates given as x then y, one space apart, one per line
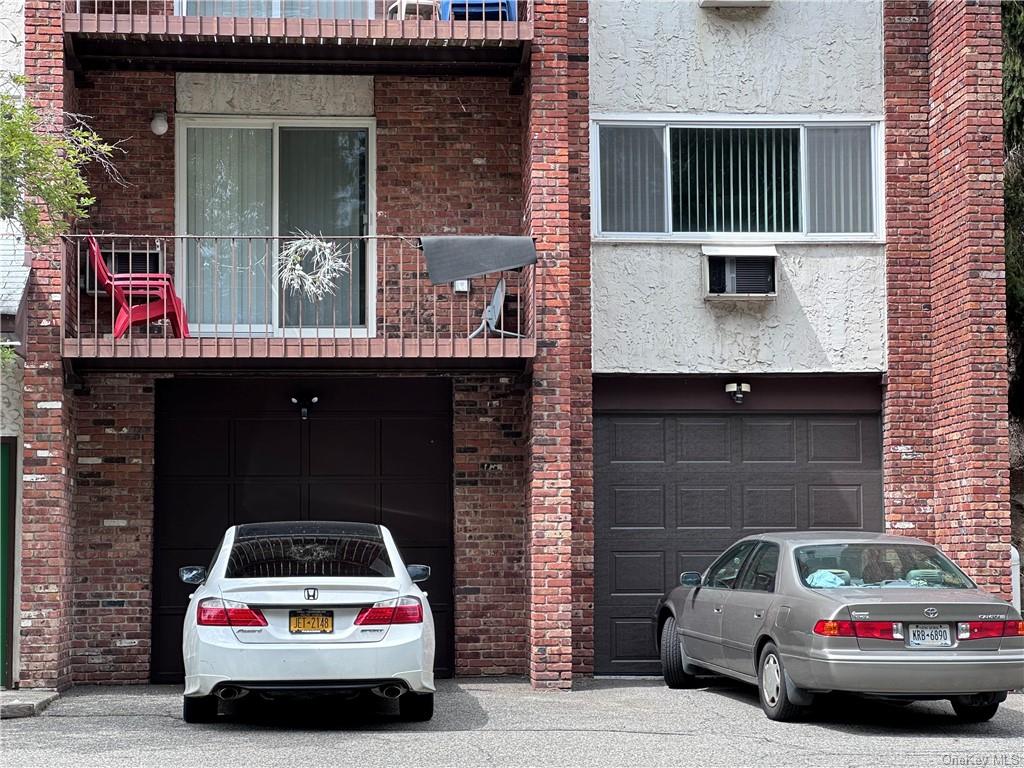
310 610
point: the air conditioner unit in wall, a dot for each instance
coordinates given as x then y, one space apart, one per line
739 272
734 3
120 261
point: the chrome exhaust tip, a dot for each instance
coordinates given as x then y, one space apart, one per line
230 693
389 691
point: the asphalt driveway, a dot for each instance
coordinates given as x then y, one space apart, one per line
501 723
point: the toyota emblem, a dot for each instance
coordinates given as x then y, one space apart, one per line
931 613
311 594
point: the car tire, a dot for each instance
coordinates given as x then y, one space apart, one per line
199 709
672 668
771 687
416 707
969 712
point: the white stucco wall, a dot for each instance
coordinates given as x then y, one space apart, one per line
651 316
269 94
799 57
793 56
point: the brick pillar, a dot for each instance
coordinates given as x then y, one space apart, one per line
969 379
907 435
549 481
946 442
46 498
578 92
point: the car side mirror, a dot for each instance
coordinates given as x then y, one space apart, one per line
418 573
689 579
192 574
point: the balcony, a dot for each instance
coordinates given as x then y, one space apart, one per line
482 37
382 307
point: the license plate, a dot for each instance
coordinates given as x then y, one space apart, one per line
310 622
930 635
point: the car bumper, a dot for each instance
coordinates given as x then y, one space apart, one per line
908 674
219 660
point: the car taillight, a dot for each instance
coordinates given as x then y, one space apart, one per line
399 610
1013 629
214 612
830 628
877 630
979 630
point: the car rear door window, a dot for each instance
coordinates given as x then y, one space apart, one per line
267 551
759 574
722 575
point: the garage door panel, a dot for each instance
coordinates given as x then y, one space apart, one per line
638 507
721 476
343 446
414 511
415 447
638 440
704 506
194 457
265 502
703 441
268 447
354 502
173 500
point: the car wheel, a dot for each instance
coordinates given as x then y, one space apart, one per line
971 712
672 657
771 686
199 709
416 707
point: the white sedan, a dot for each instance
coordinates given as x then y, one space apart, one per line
301 607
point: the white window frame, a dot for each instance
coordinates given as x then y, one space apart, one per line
274 329
669 121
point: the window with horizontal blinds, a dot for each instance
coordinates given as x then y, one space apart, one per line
735 179
633 178
770 179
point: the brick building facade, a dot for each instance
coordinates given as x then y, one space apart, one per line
496 144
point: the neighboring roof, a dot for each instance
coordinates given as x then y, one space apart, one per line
13 273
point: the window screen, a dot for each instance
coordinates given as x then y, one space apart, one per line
632 179
735 179
839 179
310 550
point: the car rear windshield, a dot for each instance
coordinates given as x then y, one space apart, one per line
275 551
835 566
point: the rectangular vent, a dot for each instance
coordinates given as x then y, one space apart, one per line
121 262
741 276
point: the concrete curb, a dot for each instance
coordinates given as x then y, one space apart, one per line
25 703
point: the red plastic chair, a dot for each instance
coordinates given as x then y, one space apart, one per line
164 303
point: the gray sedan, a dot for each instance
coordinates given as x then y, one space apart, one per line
799 614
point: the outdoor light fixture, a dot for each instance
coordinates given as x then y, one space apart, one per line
736 390
305 403
158 124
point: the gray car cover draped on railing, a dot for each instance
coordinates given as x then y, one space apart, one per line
457 258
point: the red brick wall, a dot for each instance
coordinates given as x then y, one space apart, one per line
578 85
972 503
946 445
549 471
113 541
490 583
46 547
120 106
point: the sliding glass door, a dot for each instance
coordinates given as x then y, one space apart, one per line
248 189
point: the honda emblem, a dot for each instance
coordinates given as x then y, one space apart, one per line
311 593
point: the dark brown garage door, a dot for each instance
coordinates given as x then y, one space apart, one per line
235 451
673 490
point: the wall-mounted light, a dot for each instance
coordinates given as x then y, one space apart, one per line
461 286
305 403
158 124
737 390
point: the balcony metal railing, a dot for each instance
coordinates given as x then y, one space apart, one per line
485 20
382 305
